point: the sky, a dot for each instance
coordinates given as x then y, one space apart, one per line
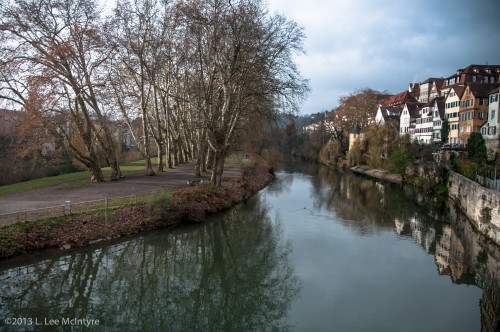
387 44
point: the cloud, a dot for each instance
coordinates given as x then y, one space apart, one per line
387 44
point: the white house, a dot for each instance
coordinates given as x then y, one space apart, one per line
490 130
424 125
408 115
438 116
385 114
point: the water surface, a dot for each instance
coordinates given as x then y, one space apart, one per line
315 251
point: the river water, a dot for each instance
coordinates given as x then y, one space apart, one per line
315 251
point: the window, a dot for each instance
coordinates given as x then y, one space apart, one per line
480 115
474 79
492 114
468 129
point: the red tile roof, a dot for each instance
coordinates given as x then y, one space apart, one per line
399 99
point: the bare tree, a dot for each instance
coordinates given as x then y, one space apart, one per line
356 109
242 61
52 55
137 36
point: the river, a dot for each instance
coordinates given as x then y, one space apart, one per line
317 250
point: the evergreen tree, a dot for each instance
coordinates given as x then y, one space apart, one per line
445 131
476 147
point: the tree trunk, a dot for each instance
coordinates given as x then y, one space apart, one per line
95 173
169 154
149 167
160 158
217 168
116 172
175 153
209 160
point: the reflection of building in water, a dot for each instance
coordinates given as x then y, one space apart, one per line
399 226
450 255
423 235
490 305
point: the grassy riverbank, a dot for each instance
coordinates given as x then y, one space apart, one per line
165 209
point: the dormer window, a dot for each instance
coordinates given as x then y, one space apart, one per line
476 70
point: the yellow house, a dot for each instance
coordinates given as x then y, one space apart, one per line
355 135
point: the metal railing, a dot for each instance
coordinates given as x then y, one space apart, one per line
73 208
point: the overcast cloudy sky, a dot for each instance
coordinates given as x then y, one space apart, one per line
386 44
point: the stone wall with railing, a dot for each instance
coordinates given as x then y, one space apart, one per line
480 204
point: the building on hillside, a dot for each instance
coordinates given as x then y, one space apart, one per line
398 100
356 135
438 116
408 116
490 130
387 113
424 125
472 74
473 109
430 89
452 107
414 90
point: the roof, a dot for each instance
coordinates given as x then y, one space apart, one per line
357 129
459 89
431 80
399 99
482 89
495 90
465 75
413 109
439 102
480 69
439 84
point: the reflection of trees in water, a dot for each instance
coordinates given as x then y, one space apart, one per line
230 274
282 186
366 204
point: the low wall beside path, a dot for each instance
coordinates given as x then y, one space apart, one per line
481 205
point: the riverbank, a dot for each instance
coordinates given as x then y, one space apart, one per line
377 173
166 208
479 204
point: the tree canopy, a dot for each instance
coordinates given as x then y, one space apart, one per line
190 77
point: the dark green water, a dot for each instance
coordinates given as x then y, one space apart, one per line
315 251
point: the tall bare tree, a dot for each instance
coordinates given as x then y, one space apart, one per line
52 55
242 66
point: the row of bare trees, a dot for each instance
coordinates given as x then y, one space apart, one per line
195 74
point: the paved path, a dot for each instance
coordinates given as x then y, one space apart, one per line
136 183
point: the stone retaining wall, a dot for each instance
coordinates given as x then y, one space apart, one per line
481 205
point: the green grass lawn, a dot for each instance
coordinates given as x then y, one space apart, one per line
82 179
73 180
